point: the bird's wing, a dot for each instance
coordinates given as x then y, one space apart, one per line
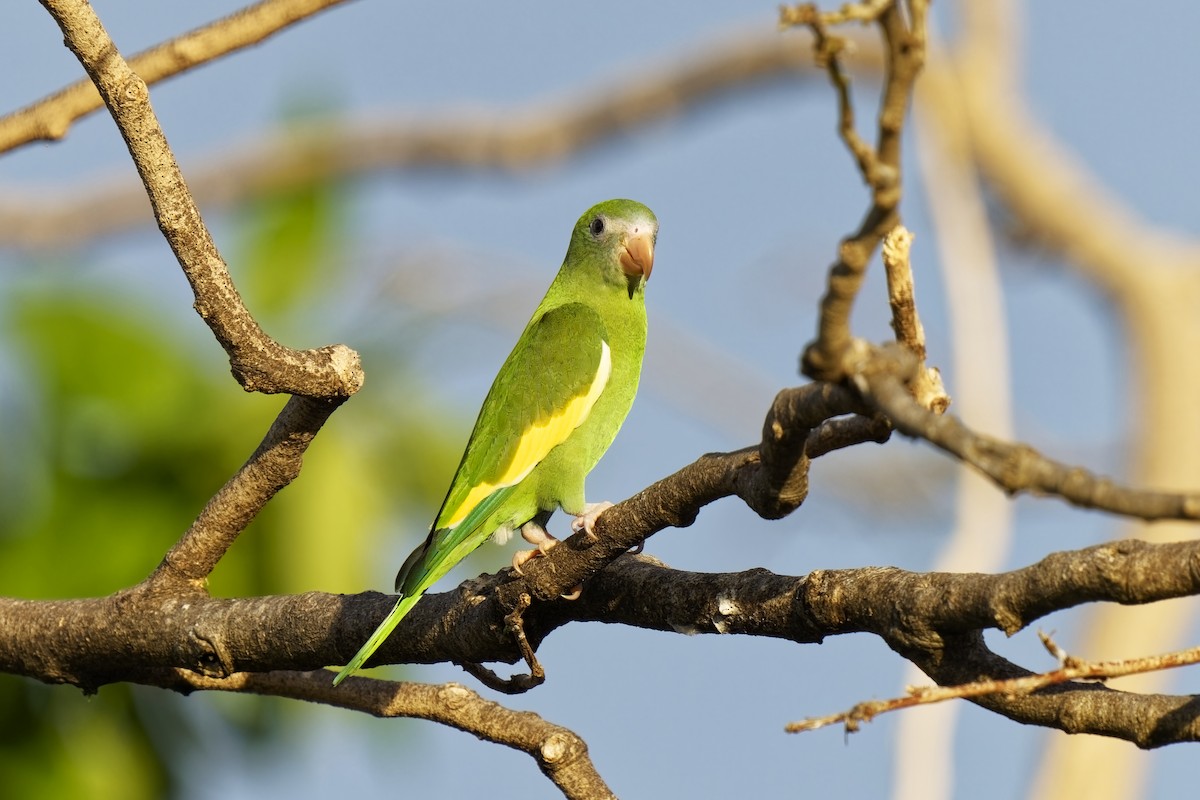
545 390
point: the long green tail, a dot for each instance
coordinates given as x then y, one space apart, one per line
428 563
402 607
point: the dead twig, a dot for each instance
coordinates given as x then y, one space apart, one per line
1072 669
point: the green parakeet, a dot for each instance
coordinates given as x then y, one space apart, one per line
553 410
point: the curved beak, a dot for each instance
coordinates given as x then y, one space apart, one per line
637 255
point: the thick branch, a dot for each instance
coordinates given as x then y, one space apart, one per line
259 363
933 619
772 479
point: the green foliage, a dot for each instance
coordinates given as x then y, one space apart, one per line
122 423
287 243
123 445
55 744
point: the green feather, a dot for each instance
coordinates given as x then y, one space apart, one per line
554 408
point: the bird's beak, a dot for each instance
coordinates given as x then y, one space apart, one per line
637 255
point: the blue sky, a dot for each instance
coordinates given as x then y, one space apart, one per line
752 195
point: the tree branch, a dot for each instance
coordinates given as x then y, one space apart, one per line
561 754
933 619
904 45
259 363
771 478
1016 467
169 632
275 464
540 134
1070 669
50 118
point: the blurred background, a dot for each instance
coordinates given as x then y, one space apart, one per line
119 419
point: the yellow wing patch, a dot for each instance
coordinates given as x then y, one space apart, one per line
540 438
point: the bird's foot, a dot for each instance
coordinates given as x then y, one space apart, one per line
538 536
586 521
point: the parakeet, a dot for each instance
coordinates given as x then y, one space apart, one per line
554 408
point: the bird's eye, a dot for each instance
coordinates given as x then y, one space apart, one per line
597 226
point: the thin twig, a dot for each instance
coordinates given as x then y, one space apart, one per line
1016 467
1072 669
830 355
827 53
540 134
514 625
926 386
51 117
864 12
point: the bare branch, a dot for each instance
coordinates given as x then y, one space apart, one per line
926 386
824 358
561 754
1017 468
906 322
192 631
933 619
259 363
167 631
772 479
50 118
540 134
275 464
827 53
1072 669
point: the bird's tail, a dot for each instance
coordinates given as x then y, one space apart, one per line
402 607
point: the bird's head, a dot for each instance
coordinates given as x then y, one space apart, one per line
616 237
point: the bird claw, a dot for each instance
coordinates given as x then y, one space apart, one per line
539 537
520 557
586 522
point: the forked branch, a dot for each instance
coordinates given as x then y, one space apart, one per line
259 362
